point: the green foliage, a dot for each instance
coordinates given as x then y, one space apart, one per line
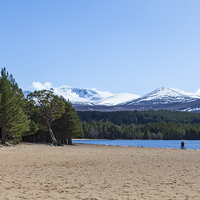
49 106
140 117
156 130
149 125
146 134
13 120
68 125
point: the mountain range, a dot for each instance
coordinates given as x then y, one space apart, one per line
161 98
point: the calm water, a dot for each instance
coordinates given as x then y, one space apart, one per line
172 144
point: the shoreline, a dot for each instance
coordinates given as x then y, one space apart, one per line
88 171
161 144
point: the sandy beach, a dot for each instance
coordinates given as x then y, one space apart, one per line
40 171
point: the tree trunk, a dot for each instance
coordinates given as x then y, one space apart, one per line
3 133
69 140
52 135
3 137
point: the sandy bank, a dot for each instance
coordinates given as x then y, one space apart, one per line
98 172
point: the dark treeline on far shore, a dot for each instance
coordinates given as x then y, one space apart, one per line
162 124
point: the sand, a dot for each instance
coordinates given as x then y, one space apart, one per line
40 171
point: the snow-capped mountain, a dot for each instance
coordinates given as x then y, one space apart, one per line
90 96
81 96
161 98
164 95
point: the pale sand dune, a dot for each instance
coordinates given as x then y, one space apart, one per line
39 171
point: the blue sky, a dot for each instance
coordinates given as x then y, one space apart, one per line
132 46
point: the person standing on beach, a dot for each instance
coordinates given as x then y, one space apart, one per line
182 145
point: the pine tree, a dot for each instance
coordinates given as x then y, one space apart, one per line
14 121
146 134
69 125
49 106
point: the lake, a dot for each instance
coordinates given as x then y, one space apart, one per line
171 144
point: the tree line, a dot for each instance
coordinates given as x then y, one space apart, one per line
140 117
154 130
41 115
150 124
